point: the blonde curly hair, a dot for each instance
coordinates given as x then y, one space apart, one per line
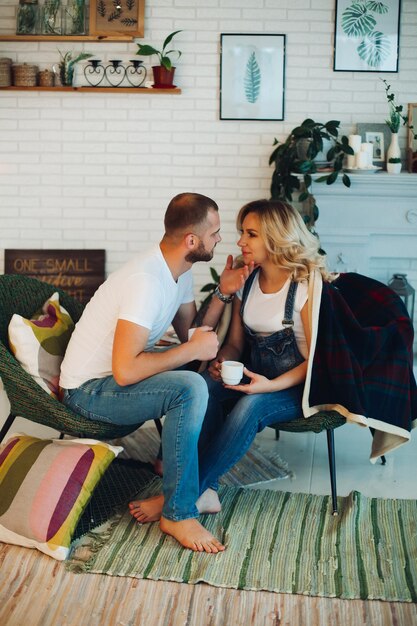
288 241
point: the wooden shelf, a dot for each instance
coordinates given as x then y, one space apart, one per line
97 38
135 90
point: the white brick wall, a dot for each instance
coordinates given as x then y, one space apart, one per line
97 170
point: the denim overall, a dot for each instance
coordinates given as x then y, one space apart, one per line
277 353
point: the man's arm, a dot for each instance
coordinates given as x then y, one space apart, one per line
183 320
130 364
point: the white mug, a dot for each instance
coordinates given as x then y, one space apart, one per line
231 372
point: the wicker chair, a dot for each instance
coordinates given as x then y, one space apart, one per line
24 295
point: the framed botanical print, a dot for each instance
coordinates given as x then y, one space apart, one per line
117 17
366 35
252 77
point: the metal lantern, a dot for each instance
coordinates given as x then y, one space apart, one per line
402 288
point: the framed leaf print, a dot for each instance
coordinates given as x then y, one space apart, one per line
252 73
117 17
367 35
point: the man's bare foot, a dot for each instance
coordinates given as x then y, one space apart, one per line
146 511
191 534
158 467
209 502
150 510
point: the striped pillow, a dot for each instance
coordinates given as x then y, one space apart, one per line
45 485
39 344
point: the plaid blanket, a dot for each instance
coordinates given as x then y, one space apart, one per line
362 362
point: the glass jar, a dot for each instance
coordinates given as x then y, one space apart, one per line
27 17
74 14
51 18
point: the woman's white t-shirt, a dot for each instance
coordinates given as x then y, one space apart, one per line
264 312
144 292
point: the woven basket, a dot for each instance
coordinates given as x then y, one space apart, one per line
24 75
46 78
5 72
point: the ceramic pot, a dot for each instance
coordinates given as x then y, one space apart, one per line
393 168
162 77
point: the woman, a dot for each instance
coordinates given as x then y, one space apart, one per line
269 332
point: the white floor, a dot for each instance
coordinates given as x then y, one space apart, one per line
306 455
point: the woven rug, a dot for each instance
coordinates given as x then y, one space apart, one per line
275 541
256 466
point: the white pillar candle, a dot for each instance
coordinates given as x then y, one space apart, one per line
355 143
362 160
368 148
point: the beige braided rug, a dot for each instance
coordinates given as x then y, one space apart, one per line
275 541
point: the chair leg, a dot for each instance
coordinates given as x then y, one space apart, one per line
332 468
6 426
158 425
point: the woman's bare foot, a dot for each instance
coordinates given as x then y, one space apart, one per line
209 502
150 510
191 534
146 511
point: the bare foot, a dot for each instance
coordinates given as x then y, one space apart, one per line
191 534
209 502
157 467
149 510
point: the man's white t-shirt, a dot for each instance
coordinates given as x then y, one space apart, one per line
143 292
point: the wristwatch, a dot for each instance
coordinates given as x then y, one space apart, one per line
222 297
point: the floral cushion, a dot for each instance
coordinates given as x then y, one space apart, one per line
45 485
39 344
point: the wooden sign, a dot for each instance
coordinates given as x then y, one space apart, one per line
108 17
78 272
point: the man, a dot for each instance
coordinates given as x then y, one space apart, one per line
110 372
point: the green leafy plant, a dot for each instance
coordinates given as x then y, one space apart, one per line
359 20
293 170
209 288
66 65
396 115
163 54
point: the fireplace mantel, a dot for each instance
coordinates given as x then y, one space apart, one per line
370 227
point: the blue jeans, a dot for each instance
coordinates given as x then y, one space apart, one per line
224 440
179 395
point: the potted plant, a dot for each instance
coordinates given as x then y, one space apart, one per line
394 165
163 73
294 163
396 116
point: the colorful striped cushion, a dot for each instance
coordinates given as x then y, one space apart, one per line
39 344
45 485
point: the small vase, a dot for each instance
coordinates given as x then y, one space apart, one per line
393 151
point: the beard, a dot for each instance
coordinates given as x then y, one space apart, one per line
201 254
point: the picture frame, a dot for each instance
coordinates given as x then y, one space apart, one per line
107 19
366 38
370 133
378 142
252 76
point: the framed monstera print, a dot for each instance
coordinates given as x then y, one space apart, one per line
367 35
252 72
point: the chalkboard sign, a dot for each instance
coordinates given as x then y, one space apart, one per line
78 272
